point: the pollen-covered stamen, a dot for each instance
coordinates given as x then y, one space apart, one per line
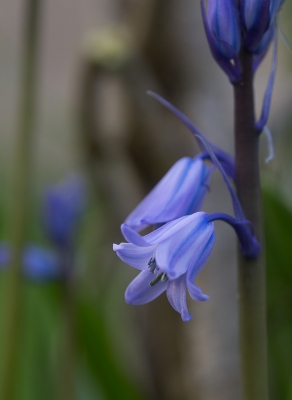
164 278
152 264
156 279
161 277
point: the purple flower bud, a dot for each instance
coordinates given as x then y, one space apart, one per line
257 18
223 32
262 48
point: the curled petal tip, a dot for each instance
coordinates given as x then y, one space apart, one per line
186 317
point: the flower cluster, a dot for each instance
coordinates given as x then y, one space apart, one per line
234 27
172 255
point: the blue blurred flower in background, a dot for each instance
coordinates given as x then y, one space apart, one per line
41 264
63 206
38 263
62 210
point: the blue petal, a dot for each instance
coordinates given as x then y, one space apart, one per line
139 292
223 21
176 294
195 292
132 236
133 255
180 192
185 246
163 232
256 19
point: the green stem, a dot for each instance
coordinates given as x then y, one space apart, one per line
251 273
67 376
20 197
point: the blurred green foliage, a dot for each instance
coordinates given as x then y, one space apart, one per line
278 231
101 374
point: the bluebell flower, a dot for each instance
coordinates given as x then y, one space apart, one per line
235 25
223 31
38 263
63 207
180 192
169 259
225 164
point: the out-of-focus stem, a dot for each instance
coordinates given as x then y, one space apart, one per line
20 195
67 376
251 272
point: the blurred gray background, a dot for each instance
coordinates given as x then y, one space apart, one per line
178 63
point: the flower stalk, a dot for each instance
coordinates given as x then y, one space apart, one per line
251 272
67 378
20 196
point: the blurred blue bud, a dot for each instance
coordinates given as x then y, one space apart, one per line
64 205
38 263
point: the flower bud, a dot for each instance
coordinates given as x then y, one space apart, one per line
223 32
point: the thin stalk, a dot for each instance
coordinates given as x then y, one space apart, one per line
67 376
20 196
251 272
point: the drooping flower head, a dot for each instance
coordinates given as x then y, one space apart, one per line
180 192
169 259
